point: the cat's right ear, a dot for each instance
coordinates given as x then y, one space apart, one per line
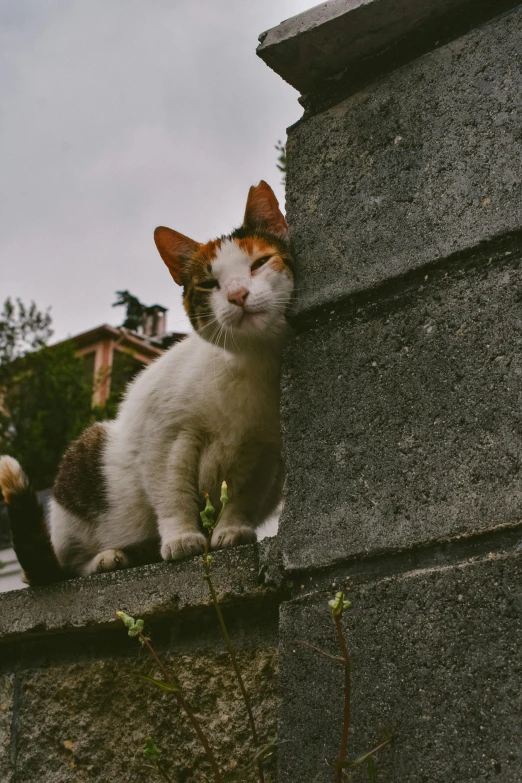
176 250
262 211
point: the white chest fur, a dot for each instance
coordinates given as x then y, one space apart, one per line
227 403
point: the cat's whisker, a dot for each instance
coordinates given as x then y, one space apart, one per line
227 331
234 340
216 334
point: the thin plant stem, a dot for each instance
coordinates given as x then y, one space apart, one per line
190 715
233 658
335 658
217 520
346 720
163 773
371 752
158 768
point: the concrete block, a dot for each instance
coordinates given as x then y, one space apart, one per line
86 720
7 699
403 417
159 591
416 168
436 660
71 707
345 37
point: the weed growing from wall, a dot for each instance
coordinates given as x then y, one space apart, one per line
343 769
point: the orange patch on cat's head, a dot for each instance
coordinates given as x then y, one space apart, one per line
255 246
277 264
208 252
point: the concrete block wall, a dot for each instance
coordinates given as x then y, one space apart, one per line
71 707
402 392
402 401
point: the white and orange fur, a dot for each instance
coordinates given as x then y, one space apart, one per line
207 410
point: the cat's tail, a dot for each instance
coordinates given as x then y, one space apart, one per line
31 541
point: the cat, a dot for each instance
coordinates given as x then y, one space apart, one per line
129 491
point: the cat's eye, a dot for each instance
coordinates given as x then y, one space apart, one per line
260 262
207 285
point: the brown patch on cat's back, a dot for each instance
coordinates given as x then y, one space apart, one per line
80 484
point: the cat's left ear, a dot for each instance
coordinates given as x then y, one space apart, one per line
176 250
262 211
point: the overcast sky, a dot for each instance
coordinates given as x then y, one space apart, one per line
120 115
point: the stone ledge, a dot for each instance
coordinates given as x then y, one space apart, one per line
154 592
339 36
416 169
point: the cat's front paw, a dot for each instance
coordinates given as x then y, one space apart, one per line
108 560
232 535
183 545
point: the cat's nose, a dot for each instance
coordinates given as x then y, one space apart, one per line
238 296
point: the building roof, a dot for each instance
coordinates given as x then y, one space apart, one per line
125 338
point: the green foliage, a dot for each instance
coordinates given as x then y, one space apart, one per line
135 626
22 329
281 158
46 392
207 515
338 604
162 685
124 367
370 768
151 751
46 400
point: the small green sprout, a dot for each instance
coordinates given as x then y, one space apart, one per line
224 493
207 515
151 751
338 604
126 619
135 626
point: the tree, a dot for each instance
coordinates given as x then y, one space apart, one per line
135 310
45 399
22 329
281 158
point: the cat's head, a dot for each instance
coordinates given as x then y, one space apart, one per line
238 286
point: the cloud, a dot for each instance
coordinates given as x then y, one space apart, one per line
122 115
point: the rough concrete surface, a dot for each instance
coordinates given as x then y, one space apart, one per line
71 709
160 590
86 721
7 684
436 660
419 166
344 35
403 418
